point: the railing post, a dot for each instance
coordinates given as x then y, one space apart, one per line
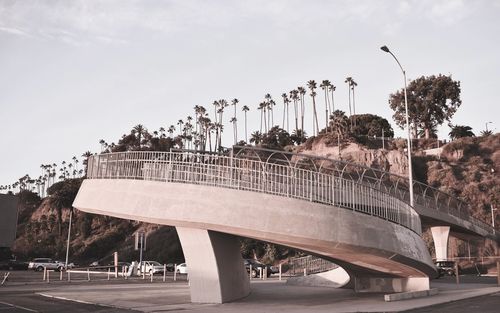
310 186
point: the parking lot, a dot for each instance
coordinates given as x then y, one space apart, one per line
26 291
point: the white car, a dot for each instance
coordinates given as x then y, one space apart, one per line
182 268
151 267
40 263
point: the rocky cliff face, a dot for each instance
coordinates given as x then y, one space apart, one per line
393 161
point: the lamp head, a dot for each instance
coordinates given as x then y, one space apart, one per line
385 49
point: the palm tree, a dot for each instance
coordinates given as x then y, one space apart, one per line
256 137
486 133
235 102
245 109
269 103
460 131
339 123
262 108
140 130
294 95
215 104
180 122
325 85
312 86
349 82
220 128
171 130
353 84
162 132
235 135
332 89
286 101
211 129
86 155
222 105
302 92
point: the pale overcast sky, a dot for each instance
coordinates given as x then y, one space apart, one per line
75 72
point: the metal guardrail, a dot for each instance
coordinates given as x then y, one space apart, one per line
425 196
254 175
310 264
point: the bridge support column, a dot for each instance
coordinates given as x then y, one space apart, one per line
388 284
215 266
440 235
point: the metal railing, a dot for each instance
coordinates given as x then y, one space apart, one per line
310 264
254 175
425 196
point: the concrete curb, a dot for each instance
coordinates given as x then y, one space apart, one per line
410 295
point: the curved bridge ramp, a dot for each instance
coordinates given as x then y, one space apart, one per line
213 199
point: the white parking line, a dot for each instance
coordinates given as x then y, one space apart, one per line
18 306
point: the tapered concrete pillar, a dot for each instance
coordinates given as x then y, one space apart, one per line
440 235
215 266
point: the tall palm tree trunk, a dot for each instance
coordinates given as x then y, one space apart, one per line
353 107
284 113
302 110
287 119
326 108
265 120
295 108
246 133
350 112
261 114
315 116
272 118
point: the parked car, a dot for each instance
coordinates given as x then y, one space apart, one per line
182 268
446 268
170 267
39 264
256 265
13 265
151 267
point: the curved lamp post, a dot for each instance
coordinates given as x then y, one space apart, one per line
410 170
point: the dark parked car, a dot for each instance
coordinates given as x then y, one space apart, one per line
446 268
256 265
13 265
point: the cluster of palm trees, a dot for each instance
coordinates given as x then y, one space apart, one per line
50 175
297 97
203 133
206 134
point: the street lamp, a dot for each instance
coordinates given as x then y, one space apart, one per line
410 171
487 125
492 216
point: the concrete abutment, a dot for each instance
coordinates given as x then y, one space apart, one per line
215 266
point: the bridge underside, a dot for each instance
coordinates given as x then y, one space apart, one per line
379 255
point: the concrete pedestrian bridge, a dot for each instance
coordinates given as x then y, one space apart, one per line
355 216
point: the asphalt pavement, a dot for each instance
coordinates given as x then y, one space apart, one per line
26 292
